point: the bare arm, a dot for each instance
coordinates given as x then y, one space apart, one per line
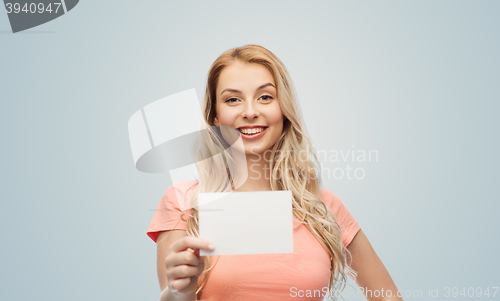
179 264
163 243
372 274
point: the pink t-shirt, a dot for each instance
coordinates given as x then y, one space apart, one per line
264 276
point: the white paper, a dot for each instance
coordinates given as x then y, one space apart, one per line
250 222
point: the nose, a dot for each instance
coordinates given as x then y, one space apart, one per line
250 111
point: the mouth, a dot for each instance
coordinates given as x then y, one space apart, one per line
252 132
249 131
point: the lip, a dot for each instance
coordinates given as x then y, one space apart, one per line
252 137
252 126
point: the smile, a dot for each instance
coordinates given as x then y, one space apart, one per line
252 133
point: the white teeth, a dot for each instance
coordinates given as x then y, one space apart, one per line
251 131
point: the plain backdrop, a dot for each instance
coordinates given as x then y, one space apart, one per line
414 81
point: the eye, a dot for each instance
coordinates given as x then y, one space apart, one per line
266 98
232 100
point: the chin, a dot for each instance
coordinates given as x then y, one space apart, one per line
254 151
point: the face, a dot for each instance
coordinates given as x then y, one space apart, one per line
247 102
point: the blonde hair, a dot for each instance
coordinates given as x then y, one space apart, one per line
289 169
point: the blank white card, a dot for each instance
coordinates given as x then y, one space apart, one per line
249 222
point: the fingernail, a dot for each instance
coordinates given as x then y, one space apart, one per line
211 247
173 290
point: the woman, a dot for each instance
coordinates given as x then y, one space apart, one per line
249 92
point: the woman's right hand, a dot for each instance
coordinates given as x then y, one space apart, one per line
184 264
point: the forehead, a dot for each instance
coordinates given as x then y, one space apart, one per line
244 76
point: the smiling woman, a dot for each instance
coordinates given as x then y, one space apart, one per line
250 94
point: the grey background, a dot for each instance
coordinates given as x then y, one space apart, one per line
416 81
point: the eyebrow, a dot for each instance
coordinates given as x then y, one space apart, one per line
238 91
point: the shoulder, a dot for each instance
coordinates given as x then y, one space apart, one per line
348 224
182 186
333 202
328 197
179 194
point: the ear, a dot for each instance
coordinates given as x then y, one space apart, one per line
216 121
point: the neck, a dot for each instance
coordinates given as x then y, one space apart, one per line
256 175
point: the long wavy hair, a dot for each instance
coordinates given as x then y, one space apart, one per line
293 165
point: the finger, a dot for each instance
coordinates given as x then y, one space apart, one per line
182 271
182 258
193 243
179 284
201 267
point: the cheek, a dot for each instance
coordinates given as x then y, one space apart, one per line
223 116
275 117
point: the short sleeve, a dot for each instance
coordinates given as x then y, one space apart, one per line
349 227
174 203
